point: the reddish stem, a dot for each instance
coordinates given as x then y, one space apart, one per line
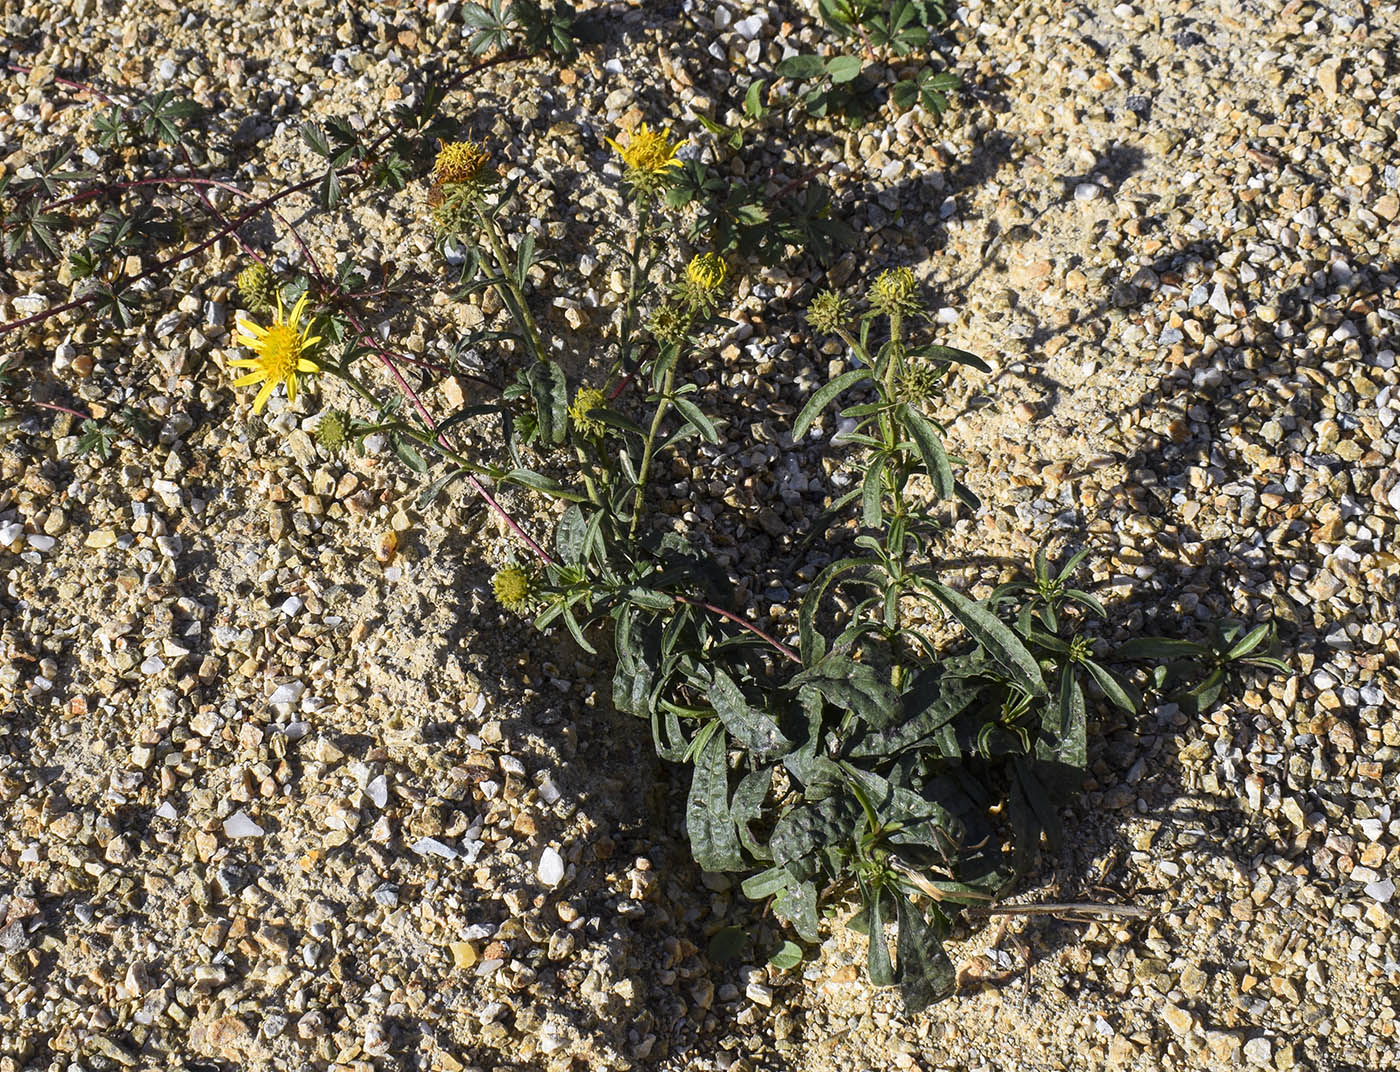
730 616
64 409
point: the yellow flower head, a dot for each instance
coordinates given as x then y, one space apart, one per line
460 162
706 272
585 402
893 292
278 353
512 587
649 152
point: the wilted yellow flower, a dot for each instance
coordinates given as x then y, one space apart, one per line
279 351
648 152
460 162
512 587
706 272
893 292
587 400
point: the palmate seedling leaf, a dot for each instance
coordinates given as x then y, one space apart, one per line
753 729
728 943
853 686
994 635
713 840
802 66
925 973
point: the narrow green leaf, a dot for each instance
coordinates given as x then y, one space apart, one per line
695 416
823 397
1114 689
873 492
993 634
1252 640
931 450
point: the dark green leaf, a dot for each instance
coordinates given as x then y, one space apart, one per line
752 728
852 686
925 973
802 66
713 840
931 450
993 634
823 397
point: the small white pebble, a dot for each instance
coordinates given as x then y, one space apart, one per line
551 869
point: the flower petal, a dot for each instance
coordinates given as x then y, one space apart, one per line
263 395
303 365
292 387
251 378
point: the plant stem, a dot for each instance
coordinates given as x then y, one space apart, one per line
527 320
661 409
629 308
730 616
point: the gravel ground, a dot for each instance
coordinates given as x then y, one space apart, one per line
274 795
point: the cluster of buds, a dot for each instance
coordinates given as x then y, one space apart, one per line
257 288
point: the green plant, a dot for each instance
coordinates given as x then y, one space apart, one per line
1193 674
847 85
897 757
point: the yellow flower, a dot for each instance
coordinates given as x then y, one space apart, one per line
460 162
893 292
648 151
706 272
585 402
512 587
279 351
